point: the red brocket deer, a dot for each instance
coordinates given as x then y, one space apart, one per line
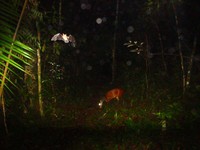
115 93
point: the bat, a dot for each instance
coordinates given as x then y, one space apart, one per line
64 38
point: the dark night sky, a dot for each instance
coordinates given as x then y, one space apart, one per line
93 25
80 16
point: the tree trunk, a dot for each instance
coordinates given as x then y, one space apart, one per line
39 72
39 84
180 50
114 43
191 63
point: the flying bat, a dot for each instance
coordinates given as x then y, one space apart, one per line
64 38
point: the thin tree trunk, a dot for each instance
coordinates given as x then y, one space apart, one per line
162 49
114 43
191 63
39 84
180 49
147 67
60 15
39 73
4 114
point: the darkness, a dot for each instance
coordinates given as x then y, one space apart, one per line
96 41
154 48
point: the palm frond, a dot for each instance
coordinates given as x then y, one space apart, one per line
13 54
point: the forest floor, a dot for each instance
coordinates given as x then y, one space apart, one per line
72 126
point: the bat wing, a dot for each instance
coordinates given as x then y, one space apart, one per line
64 38
56 37
72 40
